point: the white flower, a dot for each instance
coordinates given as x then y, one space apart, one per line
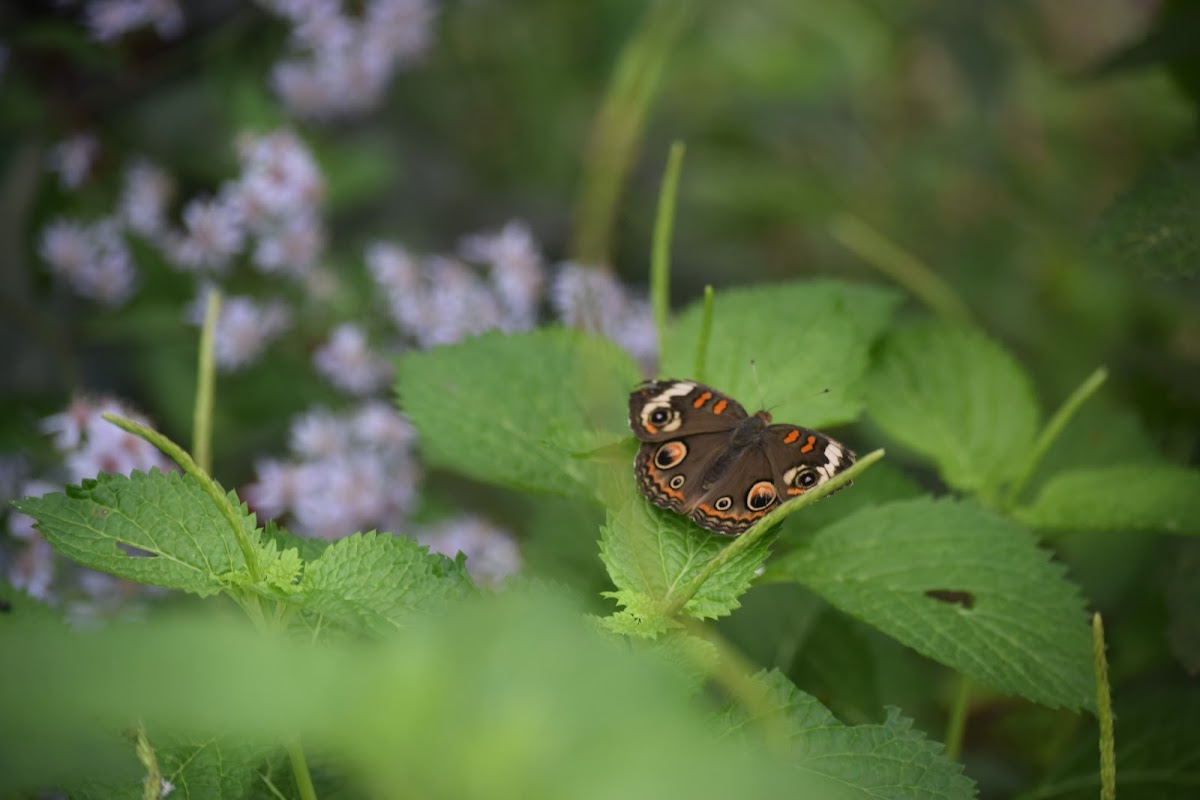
91 444
377 424
349 364
31 569
593 300
319 434
516 270
492 554
244 328
292 247
92 259
353 472
279 179
73 158
214 234
144 198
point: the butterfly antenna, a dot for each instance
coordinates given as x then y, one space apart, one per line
762 397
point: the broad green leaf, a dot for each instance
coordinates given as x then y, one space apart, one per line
773 623
809 341
961 585
520 410
956 397
838 665
889 760
651 553
1159 497
374 583
158 528
515 698
1157 750
310 549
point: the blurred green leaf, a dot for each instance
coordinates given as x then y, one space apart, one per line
518 410
196 768
650 553
1183 605
890 760
513 698
159 529
961 585
1158 497
838 667
956 397
808 339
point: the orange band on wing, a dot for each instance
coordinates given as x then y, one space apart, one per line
702 399
791 437
720 406
649 428
808 448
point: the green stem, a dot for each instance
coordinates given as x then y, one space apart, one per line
300 770
152 784
619 126
674 602
210 487
1108 759
705 333
902 267
660 254
957 725
205 384
1053 429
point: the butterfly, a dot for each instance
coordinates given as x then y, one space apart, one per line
703 456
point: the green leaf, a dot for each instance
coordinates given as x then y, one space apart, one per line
1183 605
1159 497
160 529
962 586
310 549
374 583
957 397
888 760
1157 750
520 410
196 768
509 699
281 569
804 337
651 553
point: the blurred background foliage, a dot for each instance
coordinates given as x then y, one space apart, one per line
1039 156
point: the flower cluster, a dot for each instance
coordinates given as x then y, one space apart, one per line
88 445
341 65
93 260
435 300
349 472
349 364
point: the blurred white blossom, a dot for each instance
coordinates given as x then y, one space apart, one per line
244 328
214 231
143 205
291 247
350 472
109 20
279 178
92 259
517 271
342 65
72 159
595 301
492 553
348 362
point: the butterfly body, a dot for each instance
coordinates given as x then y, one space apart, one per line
704 457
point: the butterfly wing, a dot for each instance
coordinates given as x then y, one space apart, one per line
803 459
739 489
664 410
669 474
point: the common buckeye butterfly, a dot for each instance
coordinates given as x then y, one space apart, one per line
704 457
